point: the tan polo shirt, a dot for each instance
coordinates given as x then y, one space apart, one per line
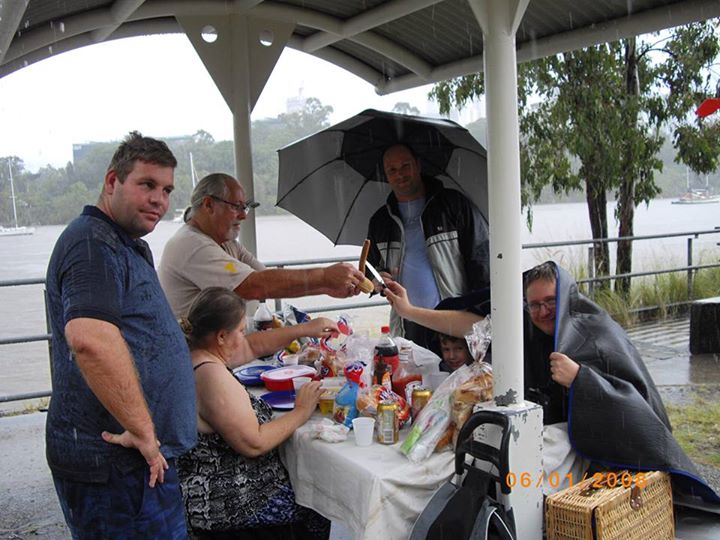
192 261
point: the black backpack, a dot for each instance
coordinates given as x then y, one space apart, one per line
467 507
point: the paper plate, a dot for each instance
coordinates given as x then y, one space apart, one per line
283 401
250 375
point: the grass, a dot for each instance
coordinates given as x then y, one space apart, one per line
28 408
658 292
697 427
661 292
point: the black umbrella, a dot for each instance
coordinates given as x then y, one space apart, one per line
333 180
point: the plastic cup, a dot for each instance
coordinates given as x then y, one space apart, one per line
327 402
299 382
290 360
364 429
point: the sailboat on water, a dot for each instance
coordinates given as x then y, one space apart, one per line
180 212
14 231
697 195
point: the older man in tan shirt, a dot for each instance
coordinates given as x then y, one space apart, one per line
205 252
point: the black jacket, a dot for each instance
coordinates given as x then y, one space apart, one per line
456 237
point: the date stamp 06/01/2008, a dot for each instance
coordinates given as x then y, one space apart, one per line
555 480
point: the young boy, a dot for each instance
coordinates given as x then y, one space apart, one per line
455 352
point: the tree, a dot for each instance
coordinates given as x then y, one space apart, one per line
313 117
597 120
684 72
403 107
271 134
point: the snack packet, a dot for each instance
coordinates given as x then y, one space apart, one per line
367 403
328 431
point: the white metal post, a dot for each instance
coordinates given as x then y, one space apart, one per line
241 108
240 61
499 20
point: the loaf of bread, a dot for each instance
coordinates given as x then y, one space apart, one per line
477 389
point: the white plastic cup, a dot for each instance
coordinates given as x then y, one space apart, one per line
290 360
364 429
299 382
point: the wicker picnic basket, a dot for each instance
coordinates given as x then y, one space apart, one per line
623 512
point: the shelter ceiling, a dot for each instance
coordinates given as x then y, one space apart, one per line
393 45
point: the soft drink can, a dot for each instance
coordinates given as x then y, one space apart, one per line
420 398
388 426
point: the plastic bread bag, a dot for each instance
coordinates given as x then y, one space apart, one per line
434 420
478 339
425 360
359 348
434 427
476 389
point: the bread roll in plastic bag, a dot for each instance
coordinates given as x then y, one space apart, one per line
435 418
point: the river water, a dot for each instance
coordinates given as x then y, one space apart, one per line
282 238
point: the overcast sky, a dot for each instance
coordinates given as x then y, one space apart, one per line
158 85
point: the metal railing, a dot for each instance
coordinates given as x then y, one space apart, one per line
689 268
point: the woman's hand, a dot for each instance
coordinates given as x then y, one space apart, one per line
398 298
563 369
306 399
320 327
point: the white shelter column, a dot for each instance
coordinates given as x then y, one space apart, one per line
499 20
241 107
239 52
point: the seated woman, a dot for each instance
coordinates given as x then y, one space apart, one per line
233 482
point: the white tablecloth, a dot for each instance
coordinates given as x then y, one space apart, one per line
373 490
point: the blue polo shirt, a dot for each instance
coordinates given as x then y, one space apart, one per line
97 271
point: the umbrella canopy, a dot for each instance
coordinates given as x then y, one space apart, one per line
334 180
708 107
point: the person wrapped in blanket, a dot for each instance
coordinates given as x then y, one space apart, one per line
601 408
233 482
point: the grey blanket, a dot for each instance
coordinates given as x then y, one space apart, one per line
616 416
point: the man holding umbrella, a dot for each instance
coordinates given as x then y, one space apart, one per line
205 252
431 239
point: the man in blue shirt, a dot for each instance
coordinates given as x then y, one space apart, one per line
123 403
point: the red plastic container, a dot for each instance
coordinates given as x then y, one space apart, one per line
280 379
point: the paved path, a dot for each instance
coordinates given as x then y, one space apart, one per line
29 508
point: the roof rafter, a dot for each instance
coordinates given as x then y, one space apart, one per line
365 21
333 25
10 16
651 20
119 12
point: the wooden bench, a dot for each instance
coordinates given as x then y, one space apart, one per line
705 326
